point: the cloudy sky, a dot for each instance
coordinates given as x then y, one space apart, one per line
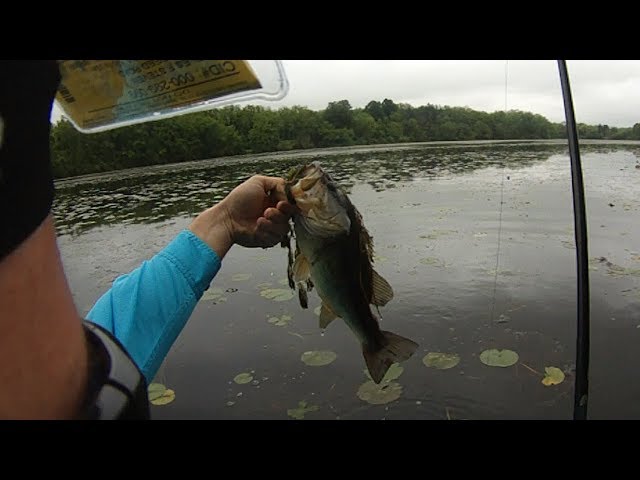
606 92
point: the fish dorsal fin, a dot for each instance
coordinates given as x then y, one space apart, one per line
364 244
326 316
381 292
301 269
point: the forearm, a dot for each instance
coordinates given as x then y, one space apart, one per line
148 308
43 357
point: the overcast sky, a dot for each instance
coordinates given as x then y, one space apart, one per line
606 92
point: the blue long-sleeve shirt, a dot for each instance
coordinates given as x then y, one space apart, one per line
148 308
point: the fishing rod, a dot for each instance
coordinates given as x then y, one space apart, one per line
581 388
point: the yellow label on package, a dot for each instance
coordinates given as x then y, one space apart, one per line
97 93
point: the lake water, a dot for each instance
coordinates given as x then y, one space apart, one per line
434 213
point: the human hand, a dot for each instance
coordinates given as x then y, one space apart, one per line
258 212
254 214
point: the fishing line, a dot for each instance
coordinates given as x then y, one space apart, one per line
495 277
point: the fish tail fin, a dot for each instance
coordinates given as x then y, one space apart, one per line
396 349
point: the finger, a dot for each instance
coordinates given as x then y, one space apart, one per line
274 186
270 240
266 226
288 209
267 238
275 215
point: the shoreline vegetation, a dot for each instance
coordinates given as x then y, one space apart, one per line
252 130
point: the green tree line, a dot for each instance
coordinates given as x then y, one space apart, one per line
251 129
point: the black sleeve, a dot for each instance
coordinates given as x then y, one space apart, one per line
27 90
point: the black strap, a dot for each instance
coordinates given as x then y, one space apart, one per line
117 389
27 90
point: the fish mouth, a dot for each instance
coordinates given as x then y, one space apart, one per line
302 186
308 183
303 180
314 193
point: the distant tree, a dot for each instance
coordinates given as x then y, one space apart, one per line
251 129
388 107
481 131
339 114
364 127
374 109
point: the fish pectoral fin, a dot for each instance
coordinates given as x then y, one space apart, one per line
302 297
396 350
381 293
301 269
326 316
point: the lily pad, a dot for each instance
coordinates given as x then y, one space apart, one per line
160 395
393 373
239 277
299 413
277 294
243 378
499 358
318 358
616 270
434 262
554 376
625 271
167 397
502 273
264 285
155 390
280 321
379 394
441 361
435 234
216 294
284 281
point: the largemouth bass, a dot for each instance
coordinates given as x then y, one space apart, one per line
334 253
